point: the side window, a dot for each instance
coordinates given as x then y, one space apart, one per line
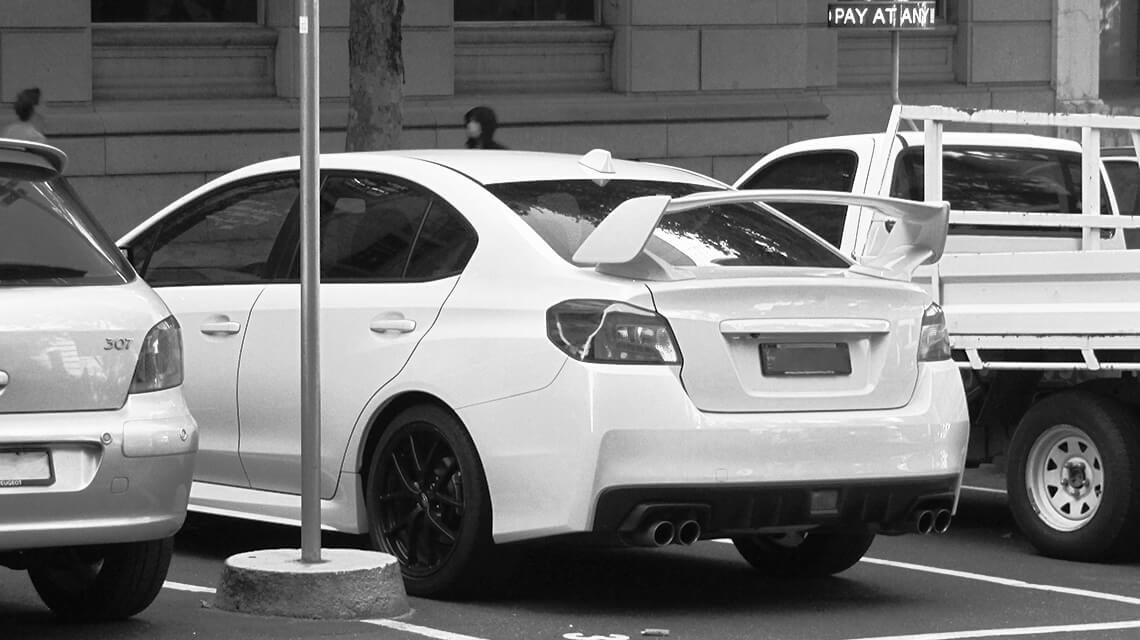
225 238
820 170
368 225
1125 178
444 245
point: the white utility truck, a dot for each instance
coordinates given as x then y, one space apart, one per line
1041 295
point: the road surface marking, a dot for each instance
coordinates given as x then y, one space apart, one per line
1007 582
984 489
427 632
1021 631
193 588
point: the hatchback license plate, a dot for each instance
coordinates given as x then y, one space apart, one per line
805 359
24 467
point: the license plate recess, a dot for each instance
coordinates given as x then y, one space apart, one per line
30 466
805 359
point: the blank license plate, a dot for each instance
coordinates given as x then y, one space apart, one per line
23 467
805 359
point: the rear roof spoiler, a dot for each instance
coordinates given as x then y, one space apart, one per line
52 155
617 245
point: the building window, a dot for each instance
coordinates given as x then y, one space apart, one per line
174 10
523 10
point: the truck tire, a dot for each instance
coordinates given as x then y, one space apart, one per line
1074 470
108 582
810 554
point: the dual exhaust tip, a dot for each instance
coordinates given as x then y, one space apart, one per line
927 521
658 533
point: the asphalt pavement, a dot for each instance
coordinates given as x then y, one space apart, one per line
980 580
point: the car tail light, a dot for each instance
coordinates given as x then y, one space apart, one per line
160 358
933 339
612 332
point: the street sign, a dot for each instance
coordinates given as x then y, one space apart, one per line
900 15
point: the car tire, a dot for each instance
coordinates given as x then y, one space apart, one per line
810 554
108 582
428 503
1073 475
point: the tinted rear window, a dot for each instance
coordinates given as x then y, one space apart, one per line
998 179
565 212
47 238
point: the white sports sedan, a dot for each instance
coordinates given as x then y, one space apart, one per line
521 345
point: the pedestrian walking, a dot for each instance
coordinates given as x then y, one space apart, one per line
26 127
481 123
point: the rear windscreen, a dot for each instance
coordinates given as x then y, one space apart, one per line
46 236
565 212
998 179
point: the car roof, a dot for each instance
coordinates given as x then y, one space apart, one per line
487 166
32 153
1118 153
949 138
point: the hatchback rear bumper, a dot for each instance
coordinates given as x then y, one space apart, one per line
118 476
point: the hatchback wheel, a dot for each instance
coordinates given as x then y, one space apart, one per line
807 554
108 582
428 503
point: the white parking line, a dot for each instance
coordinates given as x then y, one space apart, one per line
1005 582
1005 633
426 632
193 588
984 489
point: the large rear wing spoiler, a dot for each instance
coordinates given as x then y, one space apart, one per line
617 245
1090 124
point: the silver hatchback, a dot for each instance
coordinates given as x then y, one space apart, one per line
96 443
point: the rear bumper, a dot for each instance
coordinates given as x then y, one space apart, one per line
568 458
726 510
133 489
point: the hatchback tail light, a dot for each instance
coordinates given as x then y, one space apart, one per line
611 332
933 339
160 358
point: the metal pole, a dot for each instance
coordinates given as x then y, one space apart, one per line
896 54
309 25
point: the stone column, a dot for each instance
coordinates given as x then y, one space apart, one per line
1077 72
46 45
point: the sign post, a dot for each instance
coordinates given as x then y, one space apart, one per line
309 27
877 15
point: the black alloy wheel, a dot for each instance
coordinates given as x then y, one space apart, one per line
427 502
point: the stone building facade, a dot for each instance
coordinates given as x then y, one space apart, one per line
149 110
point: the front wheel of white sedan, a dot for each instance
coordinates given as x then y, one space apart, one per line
428 503
108 582
806 554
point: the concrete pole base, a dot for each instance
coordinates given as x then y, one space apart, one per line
346 584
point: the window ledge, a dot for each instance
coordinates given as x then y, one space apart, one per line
142 61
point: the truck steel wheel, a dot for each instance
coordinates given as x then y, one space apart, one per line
1072 477
108 582
809 554
427 502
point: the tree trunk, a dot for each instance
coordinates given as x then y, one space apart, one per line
376 74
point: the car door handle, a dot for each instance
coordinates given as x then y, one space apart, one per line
220 328
399 325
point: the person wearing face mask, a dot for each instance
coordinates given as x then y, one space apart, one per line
481 124
26 127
